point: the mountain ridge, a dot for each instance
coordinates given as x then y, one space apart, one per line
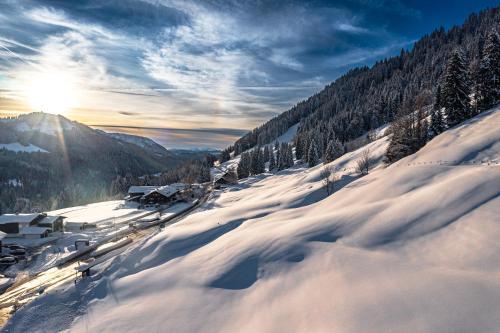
65 162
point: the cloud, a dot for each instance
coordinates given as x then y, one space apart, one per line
193 63
215 138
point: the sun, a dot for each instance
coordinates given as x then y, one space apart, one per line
52 92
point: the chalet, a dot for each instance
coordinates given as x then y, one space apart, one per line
135 193
162 195
226 178
53 223
13 224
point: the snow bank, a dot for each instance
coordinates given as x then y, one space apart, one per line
408 248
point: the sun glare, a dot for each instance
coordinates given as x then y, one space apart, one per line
52 92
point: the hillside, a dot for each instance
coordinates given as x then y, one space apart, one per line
409 247
140 141
368 97
55 161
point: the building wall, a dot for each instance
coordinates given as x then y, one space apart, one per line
10 228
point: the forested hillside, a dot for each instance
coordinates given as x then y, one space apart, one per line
48 161
368 97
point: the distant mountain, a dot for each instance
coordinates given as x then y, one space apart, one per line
143 142
61 162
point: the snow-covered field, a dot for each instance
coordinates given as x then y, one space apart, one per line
413 247
103 212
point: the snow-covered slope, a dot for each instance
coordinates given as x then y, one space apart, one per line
143 142
412 247
17 147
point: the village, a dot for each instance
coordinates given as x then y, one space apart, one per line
35 242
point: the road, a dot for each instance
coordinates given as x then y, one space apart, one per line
27 289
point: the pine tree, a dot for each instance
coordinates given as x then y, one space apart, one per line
266 154
334 150
401 140
261 163
272 162
225 156
312 154
288 157
299 149
455 93
244 166
437 121
488 76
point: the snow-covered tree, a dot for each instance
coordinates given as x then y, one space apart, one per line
299 147
272 162
455 91
266 153
312 154
244 166
488 76
437 120
334 150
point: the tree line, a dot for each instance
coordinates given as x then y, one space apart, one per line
333 120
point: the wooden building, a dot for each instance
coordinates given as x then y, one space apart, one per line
53 223
135 193
12 224
162 195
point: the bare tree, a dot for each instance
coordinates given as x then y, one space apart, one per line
363 163
329 178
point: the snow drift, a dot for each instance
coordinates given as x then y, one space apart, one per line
412 247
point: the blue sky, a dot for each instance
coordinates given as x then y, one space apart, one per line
195 73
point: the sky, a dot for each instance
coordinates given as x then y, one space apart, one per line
196 74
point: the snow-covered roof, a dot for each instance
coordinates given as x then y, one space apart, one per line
165 190
141 189
18 218
33 230
179 186
49 219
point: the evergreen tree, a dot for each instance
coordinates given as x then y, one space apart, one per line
288 156
272 162
225 155
266 154
401 141
334 150
455 93
244 166
488 76
261 163
312 154
437 121
299 149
